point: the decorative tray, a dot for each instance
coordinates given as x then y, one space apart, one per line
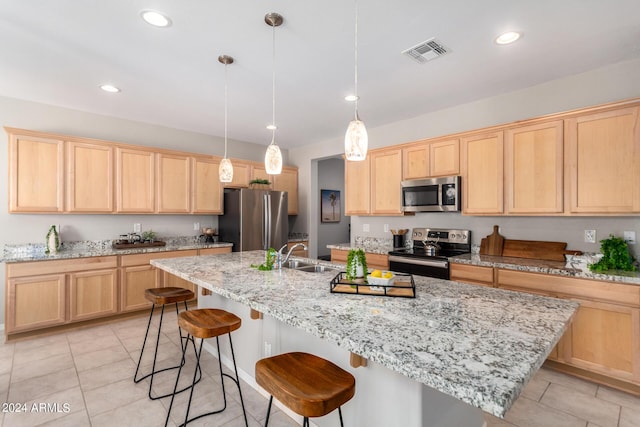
403 286
137 245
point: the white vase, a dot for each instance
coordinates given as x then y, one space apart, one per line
52 242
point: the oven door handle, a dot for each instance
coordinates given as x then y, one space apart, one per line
427 262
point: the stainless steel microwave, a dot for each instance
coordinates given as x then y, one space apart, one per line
431 194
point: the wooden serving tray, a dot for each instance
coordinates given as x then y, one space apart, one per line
137 245
403 286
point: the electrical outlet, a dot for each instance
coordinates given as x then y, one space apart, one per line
630 237
136 227
365 228
590 236
196 226
267 349
386 228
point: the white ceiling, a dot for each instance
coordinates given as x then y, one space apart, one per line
58 52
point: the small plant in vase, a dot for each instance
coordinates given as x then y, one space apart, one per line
356 265
260 184
616 256
149 236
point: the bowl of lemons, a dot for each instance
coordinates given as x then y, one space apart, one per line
381 278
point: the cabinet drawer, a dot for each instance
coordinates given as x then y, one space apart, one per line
36 268
144 259
472 274
213 251
573 287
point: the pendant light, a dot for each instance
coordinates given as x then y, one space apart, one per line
356 140
273 156
225 170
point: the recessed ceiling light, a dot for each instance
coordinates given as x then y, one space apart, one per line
351 98
272 127
109 88
508 37
156 19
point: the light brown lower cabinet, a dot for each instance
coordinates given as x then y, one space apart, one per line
93 294
602 342
43 294
46 294
35 302
475 275
379 261
137 274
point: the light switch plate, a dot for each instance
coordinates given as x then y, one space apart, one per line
630 237
590 236
136 227
365 228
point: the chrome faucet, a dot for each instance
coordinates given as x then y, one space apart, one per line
281 261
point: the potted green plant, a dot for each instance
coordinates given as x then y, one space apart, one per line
260 184
356 265
616 256
149 236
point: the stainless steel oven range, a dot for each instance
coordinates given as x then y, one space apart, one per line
430 252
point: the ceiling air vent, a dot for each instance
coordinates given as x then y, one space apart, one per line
427 50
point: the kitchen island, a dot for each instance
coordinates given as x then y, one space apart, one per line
453 343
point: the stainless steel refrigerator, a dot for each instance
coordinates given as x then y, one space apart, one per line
254 219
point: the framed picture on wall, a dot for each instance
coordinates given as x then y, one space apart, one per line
329 205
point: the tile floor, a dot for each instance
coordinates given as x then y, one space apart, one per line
84 378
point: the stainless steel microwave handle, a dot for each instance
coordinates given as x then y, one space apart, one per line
419 261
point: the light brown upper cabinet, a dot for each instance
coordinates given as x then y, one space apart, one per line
36 172
386 174
241 174
429 159
89 177
288 181
444 157
135 180
173 183
260 172
482 173
534 168
603 162
205 186
415 161
357 187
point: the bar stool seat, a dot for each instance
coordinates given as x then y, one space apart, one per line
307 384
162 297
208 323
168 295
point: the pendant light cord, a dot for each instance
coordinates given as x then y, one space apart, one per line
273 85
356 61
225 111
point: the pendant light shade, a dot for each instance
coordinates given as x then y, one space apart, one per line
356 140
273 156
273 159
225 170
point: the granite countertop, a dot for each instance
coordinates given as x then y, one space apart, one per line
480 345
86 249
557 268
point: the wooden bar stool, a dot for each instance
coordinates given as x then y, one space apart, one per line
162 297
208 323
308 385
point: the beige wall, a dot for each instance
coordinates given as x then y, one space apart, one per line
26 228
616 82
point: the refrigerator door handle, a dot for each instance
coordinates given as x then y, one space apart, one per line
269 236
265 221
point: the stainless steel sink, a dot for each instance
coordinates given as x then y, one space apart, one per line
295 264
315 268
305 266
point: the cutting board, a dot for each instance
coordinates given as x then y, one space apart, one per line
493 244
534 249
